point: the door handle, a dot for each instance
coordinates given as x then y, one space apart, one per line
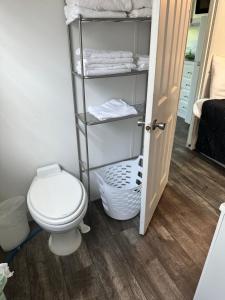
153 126
142 123
159 125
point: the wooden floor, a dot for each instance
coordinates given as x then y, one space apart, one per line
114 262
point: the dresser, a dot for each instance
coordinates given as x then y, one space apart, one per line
212 282
185 89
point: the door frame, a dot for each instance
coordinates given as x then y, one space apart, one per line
193 129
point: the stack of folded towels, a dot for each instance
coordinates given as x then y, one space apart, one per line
114 108
142 62
141 8
107 9
102 62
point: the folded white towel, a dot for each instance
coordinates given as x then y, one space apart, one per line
142 57
118 60
110 5
73 12
94 53
114 108
142 12
139 63
106 66
98 72
142 62
142 67
141 3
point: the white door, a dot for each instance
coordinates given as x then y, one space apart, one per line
170 21
197 64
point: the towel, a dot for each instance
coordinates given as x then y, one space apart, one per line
142 67
97 62
141 13
108 5
94 53
106 66
142 62
99 72
142 57
137 4
125 60
114 108
73 12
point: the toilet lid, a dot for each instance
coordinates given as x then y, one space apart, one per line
57 196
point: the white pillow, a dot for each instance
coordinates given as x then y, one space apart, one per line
217 85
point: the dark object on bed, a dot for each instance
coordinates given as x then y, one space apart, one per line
202 6
211 133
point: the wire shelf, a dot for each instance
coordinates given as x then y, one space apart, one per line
91 120
127 19
134 72
106 164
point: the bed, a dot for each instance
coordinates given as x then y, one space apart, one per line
211 132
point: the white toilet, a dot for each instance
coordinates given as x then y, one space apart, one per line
58 202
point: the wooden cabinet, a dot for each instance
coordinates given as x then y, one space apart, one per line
185 88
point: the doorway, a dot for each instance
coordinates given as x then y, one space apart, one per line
197 35
199 173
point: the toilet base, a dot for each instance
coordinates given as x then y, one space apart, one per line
65 243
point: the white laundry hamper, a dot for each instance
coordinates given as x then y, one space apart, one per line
120 187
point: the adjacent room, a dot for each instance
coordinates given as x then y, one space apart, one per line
112 149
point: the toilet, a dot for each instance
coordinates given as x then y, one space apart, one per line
58 202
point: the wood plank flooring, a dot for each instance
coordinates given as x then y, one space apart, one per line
114 262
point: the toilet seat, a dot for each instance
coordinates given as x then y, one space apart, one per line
58 199
60 227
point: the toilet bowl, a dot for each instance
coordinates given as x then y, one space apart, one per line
58 202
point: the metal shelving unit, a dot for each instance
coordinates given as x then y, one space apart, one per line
133 72
84 120
141 19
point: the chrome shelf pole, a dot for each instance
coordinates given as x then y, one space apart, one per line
71 51
84 107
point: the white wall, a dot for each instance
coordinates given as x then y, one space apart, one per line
36 108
